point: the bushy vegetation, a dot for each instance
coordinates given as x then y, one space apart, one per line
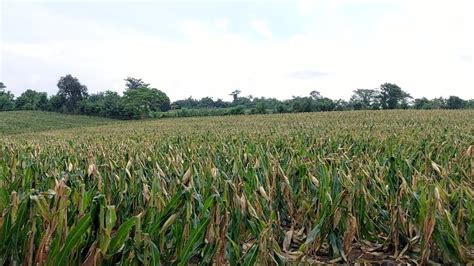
17 122
141 101
333 187
388 96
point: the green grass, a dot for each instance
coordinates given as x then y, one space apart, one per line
35 121
335 187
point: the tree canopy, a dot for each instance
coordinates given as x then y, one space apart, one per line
140 100
235 95
6 99
134 83
72 91
32 100
391 96
365 99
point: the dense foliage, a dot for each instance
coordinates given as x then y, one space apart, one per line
331 187
32 100
72 92
6 99
139 100
142 101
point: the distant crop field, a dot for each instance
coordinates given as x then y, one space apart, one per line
36 121
367 186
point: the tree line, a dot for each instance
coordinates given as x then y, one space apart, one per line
140 101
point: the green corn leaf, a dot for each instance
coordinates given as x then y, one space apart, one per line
315 232
73 240
122 233
251 256
155 254
196 235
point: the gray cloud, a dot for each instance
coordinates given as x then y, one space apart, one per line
306 74
466 58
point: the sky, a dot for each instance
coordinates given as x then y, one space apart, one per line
263 48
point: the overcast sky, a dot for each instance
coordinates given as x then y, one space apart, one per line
273 48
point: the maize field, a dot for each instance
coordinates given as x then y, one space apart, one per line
337 187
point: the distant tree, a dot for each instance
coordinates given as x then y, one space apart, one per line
6 99
438 103
422 103
105 104
92 105
392 96
364 99
454 102
219 103
257 102
259 108
244 101
185 103
405 103
341 105
206 102
281 108
301 104
236 110
6 103
470 104
112 106
315 94
57 104
32 100
134 83
142 102
235 95
72 92
324 104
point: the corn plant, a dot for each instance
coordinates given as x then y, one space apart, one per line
367 186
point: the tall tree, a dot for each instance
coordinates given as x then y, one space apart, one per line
142 102
134 83
6 99
454 102
235 95
364 99
72 91
392 96
315 94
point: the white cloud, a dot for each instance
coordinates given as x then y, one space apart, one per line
222 23
419 49
261 28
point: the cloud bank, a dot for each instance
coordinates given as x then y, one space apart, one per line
427 51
